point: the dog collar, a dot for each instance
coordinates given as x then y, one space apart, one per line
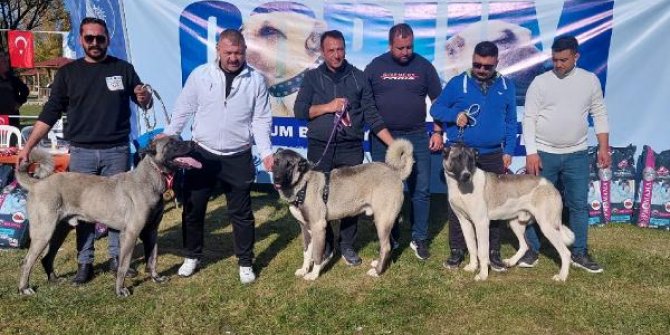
169 176
169 180
287 87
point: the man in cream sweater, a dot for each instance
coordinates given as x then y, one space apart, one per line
554 130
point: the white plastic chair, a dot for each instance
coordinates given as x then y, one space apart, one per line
6 133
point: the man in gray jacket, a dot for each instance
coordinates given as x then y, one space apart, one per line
228 102
335 87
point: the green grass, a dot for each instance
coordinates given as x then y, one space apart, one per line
29 110
632 296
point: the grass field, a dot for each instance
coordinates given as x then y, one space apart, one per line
632 296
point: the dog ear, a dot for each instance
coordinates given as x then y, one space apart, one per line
303 165
313 41
149 150
445 151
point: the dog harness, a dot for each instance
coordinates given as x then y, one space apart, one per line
300 196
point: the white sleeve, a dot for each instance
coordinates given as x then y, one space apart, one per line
598 110
261 122
185 106
531 110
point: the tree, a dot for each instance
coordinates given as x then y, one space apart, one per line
32 15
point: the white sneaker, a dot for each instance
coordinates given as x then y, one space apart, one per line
247 274
189 267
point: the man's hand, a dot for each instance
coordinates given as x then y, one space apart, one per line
507 160
462 119
22 156
436 142
604 157
533 164
337 105
268 163
143 95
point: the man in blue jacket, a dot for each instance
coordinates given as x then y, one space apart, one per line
478 108
333 87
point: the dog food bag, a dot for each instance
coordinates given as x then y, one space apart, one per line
13 217
654 194
595 199
622 184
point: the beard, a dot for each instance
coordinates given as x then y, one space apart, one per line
96 53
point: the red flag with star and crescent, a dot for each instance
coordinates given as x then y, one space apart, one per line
21 50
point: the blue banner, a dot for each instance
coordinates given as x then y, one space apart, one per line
167 39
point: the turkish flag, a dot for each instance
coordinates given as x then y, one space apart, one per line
21 50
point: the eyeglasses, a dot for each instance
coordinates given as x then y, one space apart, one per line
487 67
100 39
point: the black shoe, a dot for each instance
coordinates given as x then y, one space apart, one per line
585 262
84 274
420 248
351 257
455 259
495 262
529 259
114 266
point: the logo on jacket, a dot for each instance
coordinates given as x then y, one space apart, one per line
399 76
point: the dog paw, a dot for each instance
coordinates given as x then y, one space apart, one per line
160 279
311 276
373 273
123 292
480 277
374 263
508 263
470 267
54 279
558 278
300 272
26 291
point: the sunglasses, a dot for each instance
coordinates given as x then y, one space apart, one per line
487 67
100 39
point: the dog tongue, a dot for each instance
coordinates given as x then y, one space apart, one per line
188 162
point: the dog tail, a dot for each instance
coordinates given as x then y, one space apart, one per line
44 168
400 156
567 235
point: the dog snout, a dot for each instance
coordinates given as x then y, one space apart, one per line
465 176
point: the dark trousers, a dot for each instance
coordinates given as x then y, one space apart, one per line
490 163
338 155
237 173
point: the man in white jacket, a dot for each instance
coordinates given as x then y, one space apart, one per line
228 102
554 130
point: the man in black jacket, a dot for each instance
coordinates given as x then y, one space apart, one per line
95 92
334 87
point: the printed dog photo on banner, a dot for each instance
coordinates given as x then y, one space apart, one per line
283 43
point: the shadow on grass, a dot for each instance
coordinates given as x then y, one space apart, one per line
218 241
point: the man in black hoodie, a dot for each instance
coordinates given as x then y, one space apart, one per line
333 87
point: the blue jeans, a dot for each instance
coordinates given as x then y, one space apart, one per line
418 182
572 170
103 162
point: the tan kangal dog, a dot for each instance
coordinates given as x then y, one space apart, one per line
371 188
477 197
